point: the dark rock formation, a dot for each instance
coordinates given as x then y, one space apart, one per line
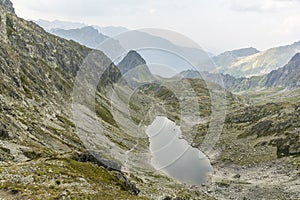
3 132
97 159
288 146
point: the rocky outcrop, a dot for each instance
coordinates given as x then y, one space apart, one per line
109 165
134 69
98 160
8 5
289 146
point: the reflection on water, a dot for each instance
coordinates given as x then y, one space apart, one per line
175 156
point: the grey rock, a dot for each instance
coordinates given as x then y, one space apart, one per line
8 5
97 159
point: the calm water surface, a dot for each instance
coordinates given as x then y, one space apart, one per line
173 155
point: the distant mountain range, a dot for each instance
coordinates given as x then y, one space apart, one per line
256 63
111 31
283 77
239 63
87 36
155 49
92 38
286 77
231 56
58 24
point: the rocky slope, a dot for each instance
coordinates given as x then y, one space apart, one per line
286 77
38 137
39 140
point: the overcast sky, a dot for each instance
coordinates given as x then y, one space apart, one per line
216 25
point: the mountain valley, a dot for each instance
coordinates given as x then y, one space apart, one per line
73 122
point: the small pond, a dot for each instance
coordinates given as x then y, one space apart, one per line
173 155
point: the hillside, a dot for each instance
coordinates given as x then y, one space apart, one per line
37 131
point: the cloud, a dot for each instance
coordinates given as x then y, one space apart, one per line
260 5
153 11
84 8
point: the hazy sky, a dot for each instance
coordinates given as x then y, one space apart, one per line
216 25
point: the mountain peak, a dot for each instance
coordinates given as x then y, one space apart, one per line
132 59
8 5
296 58
133 54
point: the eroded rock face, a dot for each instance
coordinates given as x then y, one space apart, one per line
288 146
7 4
